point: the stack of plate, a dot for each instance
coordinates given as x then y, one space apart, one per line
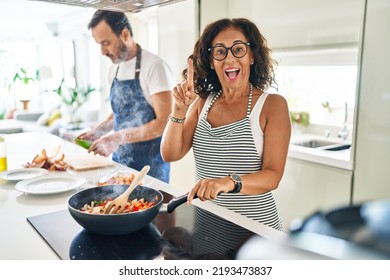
41 181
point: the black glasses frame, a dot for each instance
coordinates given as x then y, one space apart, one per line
247 44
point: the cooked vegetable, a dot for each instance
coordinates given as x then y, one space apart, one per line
97 207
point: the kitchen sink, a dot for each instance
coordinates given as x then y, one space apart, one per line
324 145
340 147
315 143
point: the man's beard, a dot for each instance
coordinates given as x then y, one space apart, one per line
122 54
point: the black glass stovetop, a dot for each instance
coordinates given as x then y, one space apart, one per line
195 234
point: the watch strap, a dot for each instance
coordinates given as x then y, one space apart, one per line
237 185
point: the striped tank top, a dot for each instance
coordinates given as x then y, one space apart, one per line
231 148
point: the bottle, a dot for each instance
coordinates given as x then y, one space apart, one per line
3 154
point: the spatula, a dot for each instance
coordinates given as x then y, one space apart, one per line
118 204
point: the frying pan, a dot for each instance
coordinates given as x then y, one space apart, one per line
114 224
176 202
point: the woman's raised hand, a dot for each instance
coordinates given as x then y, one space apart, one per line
184 93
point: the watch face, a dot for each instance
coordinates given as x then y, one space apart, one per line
236 177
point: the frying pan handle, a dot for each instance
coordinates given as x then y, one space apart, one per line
177 202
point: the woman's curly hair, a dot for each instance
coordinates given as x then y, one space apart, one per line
262 71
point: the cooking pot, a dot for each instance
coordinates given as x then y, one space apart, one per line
114 224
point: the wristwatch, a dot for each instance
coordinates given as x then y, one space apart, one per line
237 182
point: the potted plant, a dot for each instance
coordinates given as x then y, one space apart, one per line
299 120
73 98
21 76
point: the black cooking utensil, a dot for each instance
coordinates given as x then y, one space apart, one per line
177 202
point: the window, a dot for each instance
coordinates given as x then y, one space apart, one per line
15 56
320 82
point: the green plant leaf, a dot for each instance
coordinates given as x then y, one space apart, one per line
301 118
73 96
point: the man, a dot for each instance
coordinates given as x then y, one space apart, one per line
140 96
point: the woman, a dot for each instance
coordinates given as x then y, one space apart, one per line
239 133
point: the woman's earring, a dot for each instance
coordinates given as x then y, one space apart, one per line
211 67
252 62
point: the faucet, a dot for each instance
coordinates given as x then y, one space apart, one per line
343 133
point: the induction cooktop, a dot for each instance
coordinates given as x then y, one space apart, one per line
191 233
69 241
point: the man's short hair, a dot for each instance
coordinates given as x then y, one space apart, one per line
116 20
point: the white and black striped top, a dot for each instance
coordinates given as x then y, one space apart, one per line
231 148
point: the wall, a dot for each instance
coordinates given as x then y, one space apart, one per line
177 34
177 37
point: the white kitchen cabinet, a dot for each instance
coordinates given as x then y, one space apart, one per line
294 24
307 187
372 153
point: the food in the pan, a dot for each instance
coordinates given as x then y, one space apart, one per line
119 178
98 206
55 162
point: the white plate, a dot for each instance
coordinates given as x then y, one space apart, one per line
145 182
22 174
50 184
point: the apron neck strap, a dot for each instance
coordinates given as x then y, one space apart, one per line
137 63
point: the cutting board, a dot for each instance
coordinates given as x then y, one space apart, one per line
87 161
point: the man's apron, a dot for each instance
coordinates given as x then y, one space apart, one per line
131 109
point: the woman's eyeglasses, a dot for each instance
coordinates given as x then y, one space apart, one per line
238 50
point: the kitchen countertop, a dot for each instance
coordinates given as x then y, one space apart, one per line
338 159
19 240
16 206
